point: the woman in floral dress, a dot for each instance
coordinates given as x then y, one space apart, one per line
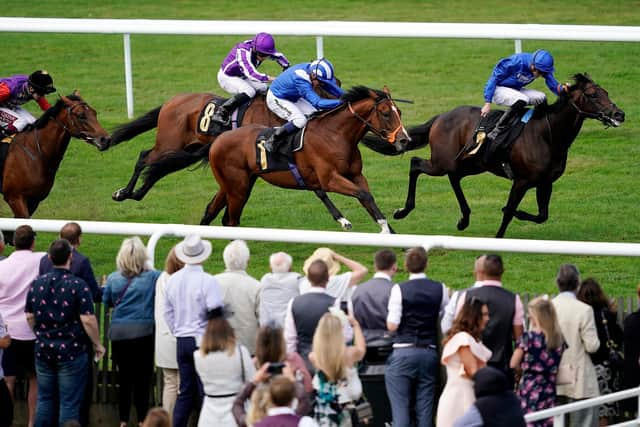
537 358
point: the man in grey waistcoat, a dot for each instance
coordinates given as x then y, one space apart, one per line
277 289
371 298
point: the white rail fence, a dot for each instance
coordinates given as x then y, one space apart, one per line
157 231
318 29
559 412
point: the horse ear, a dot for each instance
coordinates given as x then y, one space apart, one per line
76 92
386 90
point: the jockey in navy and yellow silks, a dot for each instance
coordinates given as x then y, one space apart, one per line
18 90
292 96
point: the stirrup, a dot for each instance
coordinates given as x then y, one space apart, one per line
506 167
221 117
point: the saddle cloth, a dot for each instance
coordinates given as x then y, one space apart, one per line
209 127
282 158
5 143
505 139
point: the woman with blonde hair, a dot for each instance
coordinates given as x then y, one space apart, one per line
224 366
165 341
336 380
130 291
537 358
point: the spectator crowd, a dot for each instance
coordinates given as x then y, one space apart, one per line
293 349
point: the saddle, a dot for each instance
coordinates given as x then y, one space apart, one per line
501 146
206 124
282 158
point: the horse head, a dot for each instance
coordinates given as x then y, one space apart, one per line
383 118
81 121
592 101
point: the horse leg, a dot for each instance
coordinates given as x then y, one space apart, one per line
418 166
543 196
32 205
242 201
125 193
518 190
19 207
333 210
463 222
214 207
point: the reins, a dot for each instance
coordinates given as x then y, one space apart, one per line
388 136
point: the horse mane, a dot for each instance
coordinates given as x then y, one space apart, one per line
53 111
579 80
358 93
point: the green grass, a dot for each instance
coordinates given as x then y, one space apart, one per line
596 199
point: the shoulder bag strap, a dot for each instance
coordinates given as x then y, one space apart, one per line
605 323
241 363
115 304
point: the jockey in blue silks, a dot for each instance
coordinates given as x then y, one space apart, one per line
292 98
239 73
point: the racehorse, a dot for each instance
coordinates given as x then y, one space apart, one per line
330 160
178 142
35 154
538 157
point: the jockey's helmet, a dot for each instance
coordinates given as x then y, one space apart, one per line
264 44
543 61
322 69
41 82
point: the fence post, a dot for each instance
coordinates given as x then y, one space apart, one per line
128 74
558 420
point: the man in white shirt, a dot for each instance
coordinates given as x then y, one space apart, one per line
450 311
277 288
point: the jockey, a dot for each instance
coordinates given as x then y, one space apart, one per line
507 82
291 96
20 89
239 76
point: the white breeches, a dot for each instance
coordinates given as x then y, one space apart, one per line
508 96
19 118
295 112
236 85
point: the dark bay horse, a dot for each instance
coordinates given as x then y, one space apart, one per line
538 157
330 160
35 154
177 138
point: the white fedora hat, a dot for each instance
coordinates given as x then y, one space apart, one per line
193 250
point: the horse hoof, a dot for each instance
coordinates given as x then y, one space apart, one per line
463 224
119 195
400 213
345 224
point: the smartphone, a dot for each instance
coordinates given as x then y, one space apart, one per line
344 306
275 368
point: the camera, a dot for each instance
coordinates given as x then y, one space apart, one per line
275 368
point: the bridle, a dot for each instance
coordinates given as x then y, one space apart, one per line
389 136
73 124
600 115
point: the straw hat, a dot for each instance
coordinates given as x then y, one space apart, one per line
193 250
326 255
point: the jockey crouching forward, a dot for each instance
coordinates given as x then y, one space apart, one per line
239 73
291 97
18 90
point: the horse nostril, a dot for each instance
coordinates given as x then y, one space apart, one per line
619 115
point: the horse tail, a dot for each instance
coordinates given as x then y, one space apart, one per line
178 160
419 138
132 129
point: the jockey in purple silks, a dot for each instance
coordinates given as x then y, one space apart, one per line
239 76
20 89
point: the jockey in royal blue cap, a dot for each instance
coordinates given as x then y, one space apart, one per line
239 76
20 89
291 96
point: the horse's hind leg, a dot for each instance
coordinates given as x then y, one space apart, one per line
518 190
465 210
418 166
543 196
32 205
18 206
214 207
333 210
125 193
237 200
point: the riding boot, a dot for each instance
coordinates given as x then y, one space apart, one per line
503 123
279 134
223 112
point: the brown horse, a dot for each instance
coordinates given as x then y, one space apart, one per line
329 161
35 154
178 142
538 157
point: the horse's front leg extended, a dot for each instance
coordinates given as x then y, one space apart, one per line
365 198
543 196
418 166
333 210
18 206
463 222
518 190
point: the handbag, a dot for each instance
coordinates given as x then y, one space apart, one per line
616 359
566 374
361 412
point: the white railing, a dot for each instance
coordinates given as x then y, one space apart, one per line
318 29
157 231
559 412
